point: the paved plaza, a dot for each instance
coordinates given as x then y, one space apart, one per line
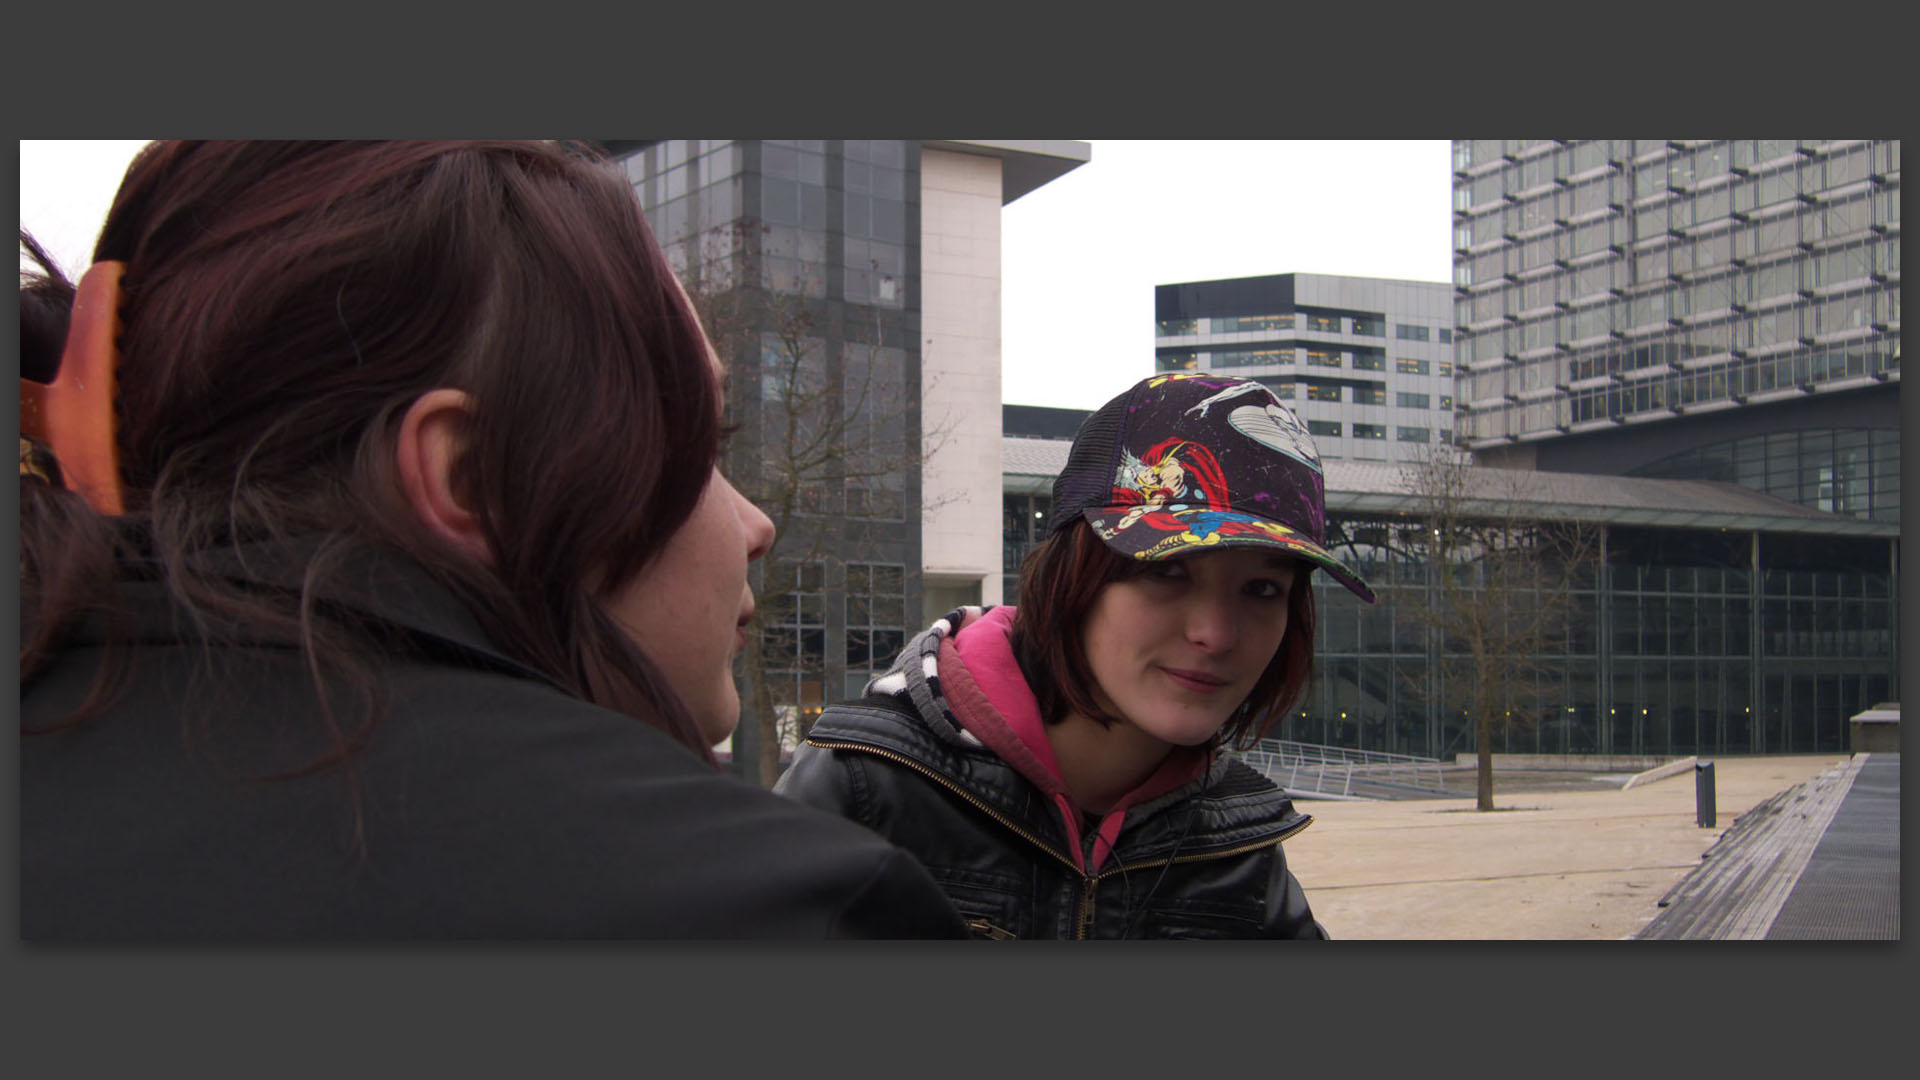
1557 861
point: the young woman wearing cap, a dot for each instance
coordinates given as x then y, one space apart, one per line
1055 765
381 583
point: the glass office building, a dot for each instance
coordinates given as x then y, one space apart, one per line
819 240
1366 362
1713 309
1717 620
846 281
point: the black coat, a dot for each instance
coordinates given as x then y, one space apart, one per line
1203 861
493 805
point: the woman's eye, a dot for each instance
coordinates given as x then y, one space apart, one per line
1265 589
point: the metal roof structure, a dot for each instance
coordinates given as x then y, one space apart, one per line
1028 466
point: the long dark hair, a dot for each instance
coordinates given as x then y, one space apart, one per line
284 303
1059 581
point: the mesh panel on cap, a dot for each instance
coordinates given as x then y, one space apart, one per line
1087 479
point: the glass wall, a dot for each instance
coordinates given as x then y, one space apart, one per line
1674 647
1854 471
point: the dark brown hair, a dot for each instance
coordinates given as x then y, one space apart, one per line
282 306
1059 581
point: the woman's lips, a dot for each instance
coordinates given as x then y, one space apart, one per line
1198 682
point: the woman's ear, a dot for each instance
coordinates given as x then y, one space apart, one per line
432 440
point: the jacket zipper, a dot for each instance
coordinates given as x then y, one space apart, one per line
1089 882
1092 881
950 786
1290 833
986 929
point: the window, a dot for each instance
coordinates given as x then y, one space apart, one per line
1412 401
1323 357
1182 360
1408 366
1282 388
1650 179
1369 360
1326 324
1370 431
1652 265
1370 395
1409 333
1226 358
1370 325
1446 337
1329 429
1176 327
1487 228
1323 391
876 616
1445 368
1240 323
1842 264
1446 402
874 434
1650 221
794 638
1413 434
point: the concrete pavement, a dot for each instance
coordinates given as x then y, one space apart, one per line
1546 865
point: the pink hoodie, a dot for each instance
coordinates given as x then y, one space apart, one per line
990 698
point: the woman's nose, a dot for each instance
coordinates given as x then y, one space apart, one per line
1210 623
757 525
760 531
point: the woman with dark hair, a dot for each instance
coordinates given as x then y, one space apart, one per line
378 580
1056 765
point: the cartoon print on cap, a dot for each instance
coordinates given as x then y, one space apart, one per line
1267 424
1177 487
1157 482
1190 461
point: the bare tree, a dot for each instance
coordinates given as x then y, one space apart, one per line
1499 595
827 444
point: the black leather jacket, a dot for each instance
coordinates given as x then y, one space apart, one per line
1203 861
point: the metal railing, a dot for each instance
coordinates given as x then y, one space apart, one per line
1337 770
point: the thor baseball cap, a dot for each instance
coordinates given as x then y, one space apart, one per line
1190 462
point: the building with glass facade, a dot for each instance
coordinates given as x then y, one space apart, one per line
1713 309
1715 619
864 275
1367 362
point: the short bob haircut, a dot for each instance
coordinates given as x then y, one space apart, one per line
1059 581
284 303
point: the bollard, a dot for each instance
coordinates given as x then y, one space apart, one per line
1703 794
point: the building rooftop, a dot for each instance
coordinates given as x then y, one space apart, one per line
1025 163
1354 487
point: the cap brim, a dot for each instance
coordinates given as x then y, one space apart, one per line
1141 540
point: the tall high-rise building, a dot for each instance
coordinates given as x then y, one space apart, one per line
1368 363
1697 309
864 275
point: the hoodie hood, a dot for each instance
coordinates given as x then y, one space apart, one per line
961 677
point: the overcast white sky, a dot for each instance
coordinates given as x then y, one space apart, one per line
1080 256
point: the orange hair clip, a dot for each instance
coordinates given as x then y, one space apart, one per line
74 415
